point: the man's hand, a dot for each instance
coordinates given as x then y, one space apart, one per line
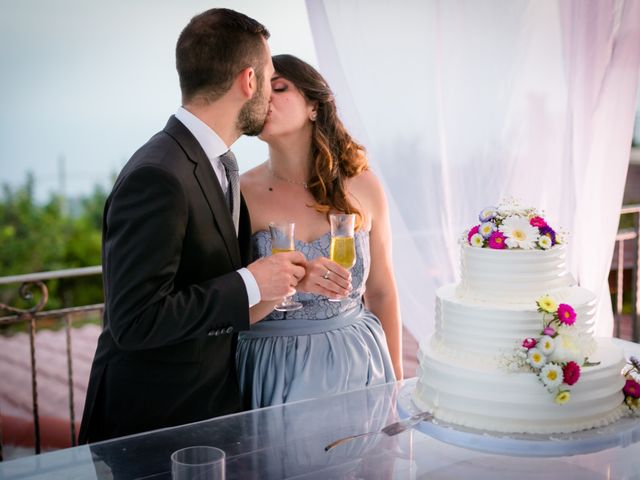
278 275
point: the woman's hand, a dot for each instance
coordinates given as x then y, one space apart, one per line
324 277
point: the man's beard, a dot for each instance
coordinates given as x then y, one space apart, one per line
253 113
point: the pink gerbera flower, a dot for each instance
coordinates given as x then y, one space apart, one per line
632 388
537 222
529 343
472 232
566 314
496 240
571 373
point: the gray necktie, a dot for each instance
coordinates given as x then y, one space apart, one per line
228 159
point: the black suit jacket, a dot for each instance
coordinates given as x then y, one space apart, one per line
173 298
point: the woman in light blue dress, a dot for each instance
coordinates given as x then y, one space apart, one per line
315 168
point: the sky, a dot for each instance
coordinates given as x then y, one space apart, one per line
85 83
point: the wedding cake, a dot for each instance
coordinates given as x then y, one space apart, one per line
514 347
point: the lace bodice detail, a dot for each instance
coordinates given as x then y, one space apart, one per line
317 307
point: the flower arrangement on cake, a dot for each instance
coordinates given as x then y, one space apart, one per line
631 388
558 354
513 227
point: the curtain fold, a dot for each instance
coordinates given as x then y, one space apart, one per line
462 104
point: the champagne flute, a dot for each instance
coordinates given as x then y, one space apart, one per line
282 240
343 245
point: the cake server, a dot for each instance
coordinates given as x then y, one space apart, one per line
390 430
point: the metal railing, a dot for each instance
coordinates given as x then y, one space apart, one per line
30 316
632 236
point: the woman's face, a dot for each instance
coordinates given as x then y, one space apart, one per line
289 111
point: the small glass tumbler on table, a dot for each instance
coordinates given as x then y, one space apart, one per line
198 462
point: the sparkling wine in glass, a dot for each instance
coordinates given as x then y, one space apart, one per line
343 245
282 240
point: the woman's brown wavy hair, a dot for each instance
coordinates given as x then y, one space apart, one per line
336 156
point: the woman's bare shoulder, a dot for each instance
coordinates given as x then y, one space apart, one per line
368 193
367 185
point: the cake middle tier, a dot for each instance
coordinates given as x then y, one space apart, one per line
474 328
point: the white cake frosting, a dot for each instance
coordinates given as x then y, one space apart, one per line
513 276
477 395
463 374
490 329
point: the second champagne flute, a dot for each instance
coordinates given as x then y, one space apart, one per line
282 240
343 245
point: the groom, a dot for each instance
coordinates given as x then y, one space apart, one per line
176 235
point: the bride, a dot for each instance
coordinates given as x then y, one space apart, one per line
314 169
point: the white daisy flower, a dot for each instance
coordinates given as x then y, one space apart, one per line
476 240
486 229
519 233
535 358
544 242
551 375
546 345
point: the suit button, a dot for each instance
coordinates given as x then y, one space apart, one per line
229 330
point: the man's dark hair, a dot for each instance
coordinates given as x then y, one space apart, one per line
213 48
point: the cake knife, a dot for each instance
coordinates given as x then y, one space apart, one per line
390 430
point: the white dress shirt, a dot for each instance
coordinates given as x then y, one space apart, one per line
213 147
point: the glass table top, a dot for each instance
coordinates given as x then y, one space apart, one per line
288 441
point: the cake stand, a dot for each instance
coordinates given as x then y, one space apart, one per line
621 433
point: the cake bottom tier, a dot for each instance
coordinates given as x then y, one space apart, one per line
489 398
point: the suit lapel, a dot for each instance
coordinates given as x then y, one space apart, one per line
209 184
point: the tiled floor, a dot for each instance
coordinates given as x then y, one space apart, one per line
52 386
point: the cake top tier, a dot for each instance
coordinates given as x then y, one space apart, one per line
512 276
510 226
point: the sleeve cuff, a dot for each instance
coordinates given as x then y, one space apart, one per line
253 291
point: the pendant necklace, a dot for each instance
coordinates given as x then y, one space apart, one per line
305 185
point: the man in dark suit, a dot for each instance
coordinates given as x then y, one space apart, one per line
176 235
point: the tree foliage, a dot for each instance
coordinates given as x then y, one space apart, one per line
54 235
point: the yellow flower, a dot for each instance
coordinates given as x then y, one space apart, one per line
547 304
633 403
563 397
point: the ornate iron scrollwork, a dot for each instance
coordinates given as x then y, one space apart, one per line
26 293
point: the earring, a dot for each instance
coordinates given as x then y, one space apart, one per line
313 116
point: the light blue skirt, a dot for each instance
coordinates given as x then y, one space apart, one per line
281 361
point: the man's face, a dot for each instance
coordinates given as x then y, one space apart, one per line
254 112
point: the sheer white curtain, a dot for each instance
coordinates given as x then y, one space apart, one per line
464 103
